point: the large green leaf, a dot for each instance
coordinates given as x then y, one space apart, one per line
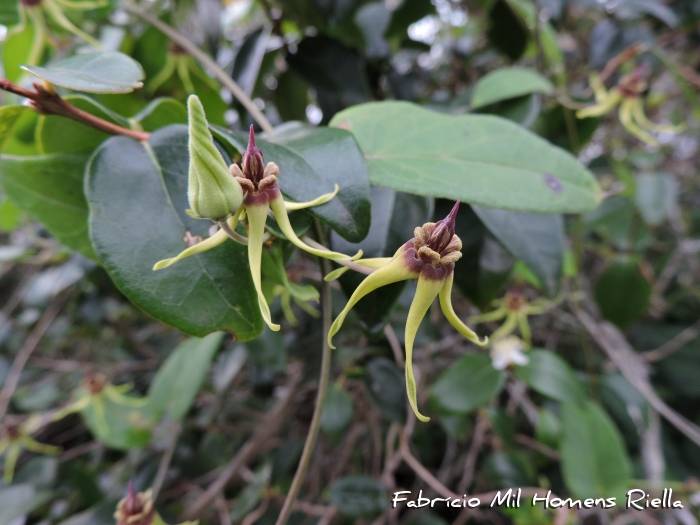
17 501
622 293
9 115
100 72
311 162
9 12
50 189
469 383
550 375
138 196
593 459
507 83
480 159
177 382
537 240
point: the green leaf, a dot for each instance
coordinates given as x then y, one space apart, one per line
268 351
160 113
656 195
593 459
537 240
248 499
50 189
407 13
57 134
394 216
311 162
15 51
130 185
116 424
550 375
337 410
101 72
480 159
18 500
9 115
386 388
10 215
506 83
359 496
622 293
508 469
469 383
9 13
291 96
175 386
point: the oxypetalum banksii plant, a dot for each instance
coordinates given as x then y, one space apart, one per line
430 257
229 195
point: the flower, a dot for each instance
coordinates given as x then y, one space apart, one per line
515 309
177 61
507 351
261 194
429 257
137 509
16 438
211 191
628 94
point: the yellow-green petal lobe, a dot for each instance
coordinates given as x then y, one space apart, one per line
426 292
611 100
278 208
397 270
627 120
448 310
206 245
257 217
375 262
323 199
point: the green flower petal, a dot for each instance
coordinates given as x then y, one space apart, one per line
396 270
257 217
426 292
627 120
375 262
610 101
323 199
446 305
207 244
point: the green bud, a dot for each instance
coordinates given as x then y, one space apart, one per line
212 192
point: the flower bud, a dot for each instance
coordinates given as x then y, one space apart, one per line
443 231
212 192
135 509
252 162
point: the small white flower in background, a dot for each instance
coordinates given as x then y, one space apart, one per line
508 350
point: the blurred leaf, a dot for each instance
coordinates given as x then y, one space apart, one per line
386 388
57 134
548 429
246 65
622 293
249 497
656 195
550 375
10 215
50 189
537 240
160 113
528 12
175 386
506 32
15 51
394 216
359 496
9 115
593 459
268 351
635 9
128 186
291 96
337 410
506 83
469 383
101 72
373 20
17 501
9 13
522 110
312 161
408 12
409 148
508 469
456 426
116 424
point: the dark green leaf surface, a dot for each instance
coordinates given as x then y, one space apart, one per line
177 382
19 500
387 388
9 13
311 162
537 240
101 72
469 383
9 115
478 159
622 293
550 375
50 189
161 112
593 459
337 410
506 83
117 425
137 197
359 496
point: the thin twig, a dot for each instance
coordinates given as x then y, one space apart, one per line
539 447
674 344
299 475
390 335
50 103
482 425
165 461
276 22
256 514
29 346
224 516
208 63
350 264
265 429
233 234
423 472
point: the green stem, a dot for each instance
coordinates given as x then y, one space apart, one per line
327 306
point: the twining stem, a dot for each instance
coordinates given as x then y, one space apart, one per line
208 63
303 466
50 103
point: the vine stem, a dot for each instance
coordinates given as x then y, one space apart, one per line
208 63
320 399
48 102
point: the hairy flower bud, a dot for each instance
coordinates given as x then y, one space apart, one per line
252 162
135 509
443 231
212 192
